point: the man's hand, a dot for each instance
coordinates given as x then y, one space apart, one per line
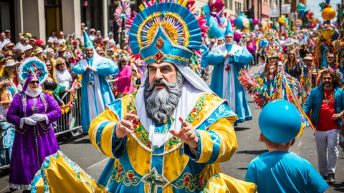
126 126
90 68
336 116
230 54
187 134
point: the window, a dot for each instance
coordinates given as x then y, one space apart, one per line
230 4
237 7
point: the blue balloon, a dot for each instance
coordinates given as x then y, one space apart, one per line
239 21
327 1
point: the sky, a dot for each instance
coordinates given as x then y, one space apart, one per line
314 6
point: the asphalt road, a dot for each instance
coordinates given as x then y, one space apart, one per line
85 155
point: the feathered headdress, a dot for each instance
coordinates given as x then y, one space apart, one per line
274 51
165 31
33 67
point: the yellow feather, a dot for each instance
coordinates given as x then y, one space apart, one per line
184 3
141 7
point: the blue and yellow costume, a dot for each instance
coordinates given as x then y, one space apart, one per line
138 167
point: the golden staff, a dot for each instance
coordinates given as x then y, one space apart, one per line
297 104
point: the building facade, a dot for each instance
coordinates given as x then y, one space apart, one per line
40 17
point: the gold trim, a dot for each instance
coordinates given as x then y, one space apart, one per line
159 14
169 56
177 58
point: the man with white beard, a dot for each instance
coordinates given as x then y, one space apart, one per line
171 134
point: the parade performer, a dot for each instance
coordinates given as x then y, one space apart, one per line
228 59
173 117
280 170
172 134
96 92
273 82
327 105
32 112
270 69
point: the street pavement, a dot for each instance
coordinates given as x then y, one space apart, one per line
87 157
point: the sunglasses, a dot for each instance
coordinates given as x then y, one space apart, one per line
330 57
34 82
229 37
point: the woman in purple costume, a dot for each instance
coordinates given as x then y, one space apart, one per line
32 112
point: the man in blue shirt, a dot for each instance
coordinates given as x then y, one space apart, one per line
280 170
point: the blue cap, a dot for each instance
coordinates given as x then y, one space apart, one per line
163 49
280 121
229 30
87 41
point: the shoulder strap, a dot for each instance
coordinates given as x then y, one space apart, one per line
23 99
44 101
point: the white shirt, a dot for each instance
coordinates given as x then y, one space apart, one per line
64 78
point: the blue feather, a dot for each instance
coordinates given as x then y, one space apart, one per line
188 17
33 65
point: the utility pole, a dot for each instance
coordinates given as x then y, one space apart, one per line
280 14
122 33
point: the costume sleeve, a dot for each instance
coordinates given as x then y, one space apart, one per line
215 58
106 68
216 144
53 111
205 52
13 113
243 57
79 68
307 107
102 134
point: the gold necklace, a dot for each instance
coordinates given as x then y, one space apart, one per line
328 98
